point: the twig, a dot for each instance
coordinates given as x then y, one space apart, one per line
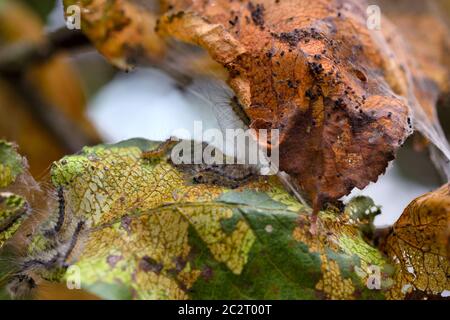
18 57
70 135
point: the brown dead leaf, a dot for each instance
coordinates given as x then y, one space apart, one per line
123 30
55 80
419 245
314 71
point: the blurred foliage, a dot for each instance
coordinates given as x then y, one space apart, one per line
41 7
56 82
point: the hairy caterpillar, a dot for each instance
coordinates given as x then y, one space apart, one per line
56 241
61 234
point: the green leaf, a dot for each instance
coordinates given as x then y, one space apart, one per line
11 164
150 232
129 224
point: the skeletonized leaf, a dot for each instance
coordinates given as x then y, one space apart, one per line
150 231
419 245
129 224
13 208
13 211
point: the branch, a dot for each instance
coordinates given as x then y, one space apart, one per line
69 134
18 57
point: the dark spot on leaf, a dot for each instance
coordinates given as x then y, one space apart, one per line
207 273
125 223
257 13
148 264
113 259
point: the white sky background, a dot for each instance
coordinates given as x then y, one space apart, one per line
56 18
147 104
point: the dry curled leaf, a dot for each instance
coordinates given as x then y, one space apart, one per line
128 223
314 71
419 246
122 30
